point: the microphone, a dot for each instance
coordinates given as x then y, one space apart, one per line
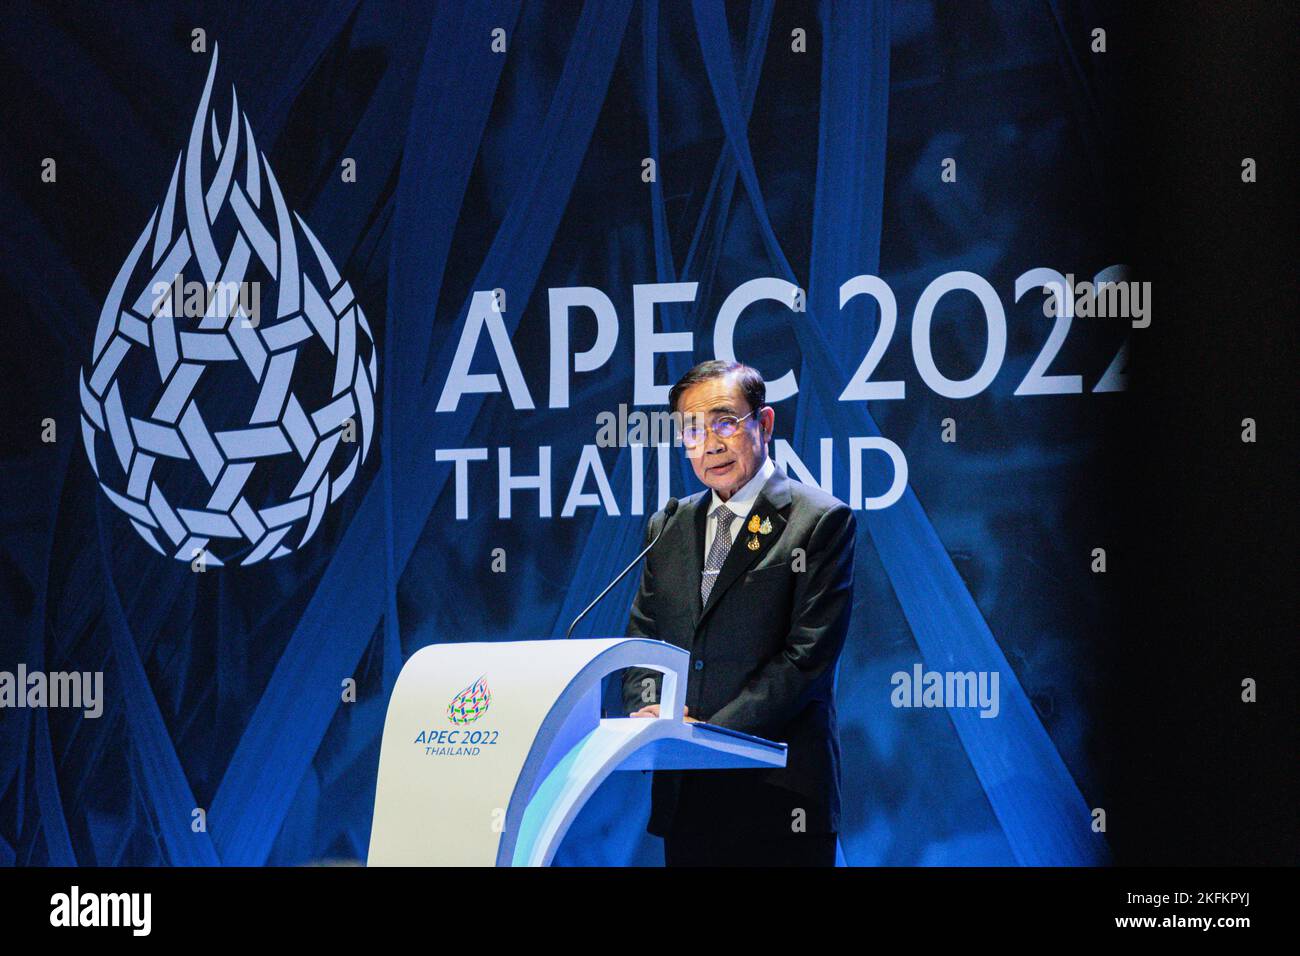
669 509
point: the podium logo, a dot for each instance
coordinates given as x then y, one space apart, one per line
471 703
230 397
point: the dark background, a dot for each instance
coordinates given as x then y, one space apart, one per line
1210 580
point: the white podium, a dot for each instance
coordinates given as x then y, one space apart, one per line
490 750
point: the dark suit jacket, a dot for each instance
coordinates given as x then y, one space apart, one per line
765 647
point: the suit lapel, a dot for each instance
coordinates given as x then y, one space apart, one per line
771 503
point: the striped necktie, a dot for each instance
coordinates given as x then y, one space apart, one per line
717 552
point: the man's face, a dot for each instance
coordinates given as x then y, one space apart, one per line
725 464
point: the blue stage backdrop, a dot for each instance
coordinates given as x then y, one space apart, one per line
247 528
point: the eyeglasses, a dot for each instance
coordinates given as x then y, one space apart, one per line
723 427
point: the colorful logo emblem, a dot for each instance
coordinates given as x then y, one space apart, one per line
471 703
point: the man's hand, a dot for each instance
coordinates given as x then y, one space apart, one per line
652 710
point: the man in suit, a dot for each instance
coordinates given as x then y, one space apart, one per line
754 577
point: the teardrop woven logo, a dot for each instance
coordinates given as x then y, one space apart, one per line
471 703
231 394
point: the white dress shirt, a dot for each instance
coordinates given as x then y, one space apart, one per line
742 502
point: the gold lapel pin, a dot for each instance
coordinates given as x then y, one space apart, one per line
753 543
753 525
